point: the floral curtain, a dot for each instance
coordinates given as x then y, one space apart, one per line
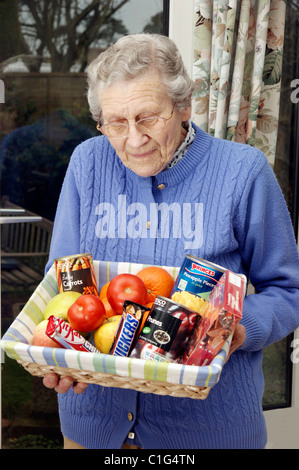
237 68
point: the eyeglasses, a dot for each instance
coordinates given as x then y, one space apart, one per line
120 130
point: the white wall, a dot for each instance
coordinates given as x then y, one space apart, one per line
181 29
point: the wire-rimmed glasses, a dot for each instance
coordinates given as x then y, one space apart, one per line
148 125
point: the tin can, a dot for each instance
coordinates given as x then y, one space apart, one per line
166 331
76 273
198 276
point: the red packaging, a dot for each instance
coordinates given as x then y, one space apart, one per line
225 306
64 335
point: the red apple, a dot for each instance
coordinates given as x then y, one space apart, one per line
40 338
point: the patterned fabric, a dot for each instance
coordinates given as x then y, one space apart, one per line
237 69
182 150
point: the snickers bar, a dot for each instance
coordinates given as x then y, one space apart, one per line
128 326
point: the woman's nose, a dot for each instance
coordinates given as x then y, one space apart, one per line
135 137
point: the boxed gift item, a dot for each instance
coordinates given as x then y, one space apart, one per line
222 313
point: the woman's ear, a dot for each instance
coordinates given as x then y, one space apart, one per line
186 112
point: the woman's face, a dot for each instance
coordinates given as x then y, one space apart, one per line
129 101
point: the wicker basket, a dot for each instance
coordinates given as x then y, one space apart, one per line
145 376
112 380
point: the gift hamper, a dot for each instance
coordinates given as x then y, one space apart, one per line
144 375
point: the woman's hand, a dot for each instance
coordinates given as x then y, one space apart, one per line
62 385
238 338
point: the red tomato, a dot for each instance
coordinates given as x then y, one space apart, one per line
87 313
125 287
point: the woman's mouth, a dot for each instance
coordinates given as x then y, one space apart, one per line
146 154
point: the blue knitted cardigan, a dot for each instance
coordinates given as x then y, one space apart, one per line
239 220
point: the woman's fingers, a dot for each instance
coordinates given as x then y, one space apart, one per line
62 385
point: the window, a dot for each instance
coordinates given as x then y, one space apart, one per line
45 47
277 358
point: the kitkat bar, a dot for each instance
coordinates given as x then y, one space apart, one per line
225 307
63 334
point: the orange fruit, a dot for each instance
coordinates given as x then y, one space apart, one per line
109 310
149 305
103 292
157 280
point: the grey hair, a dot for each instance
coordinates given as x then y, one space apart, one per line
133 56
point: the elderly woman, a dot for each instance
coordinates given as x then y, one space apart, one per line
222 203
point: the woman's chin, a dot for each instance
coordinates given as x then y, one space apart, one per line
143 168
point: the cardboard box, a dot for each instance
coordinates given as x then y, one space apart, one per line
223 312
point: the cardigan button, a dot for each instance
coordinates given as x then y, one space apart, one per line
148 224
161 186
130 416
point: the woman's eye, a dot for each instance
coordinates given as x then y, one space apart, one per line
117 125
149 121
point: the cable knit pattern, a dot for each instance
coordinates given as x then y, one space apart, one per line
242 224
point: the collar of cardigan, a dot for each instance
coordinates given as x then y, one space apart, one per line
182 150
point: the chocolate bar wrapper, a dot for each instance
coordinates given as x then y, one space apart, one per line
129 326
64 335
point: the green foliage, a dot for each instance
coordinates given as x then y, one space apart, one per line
35 158
33 441
14 397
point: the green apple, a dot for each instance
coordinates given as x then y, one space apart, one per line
59 305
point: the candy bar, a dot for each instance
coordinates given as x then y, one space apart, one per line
64 335
128 327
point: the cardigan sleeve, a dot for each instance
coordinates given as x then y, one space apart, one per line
269 252
66 232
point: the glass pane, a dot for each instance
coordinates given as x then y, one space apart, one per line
45 47
277 374
277 363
